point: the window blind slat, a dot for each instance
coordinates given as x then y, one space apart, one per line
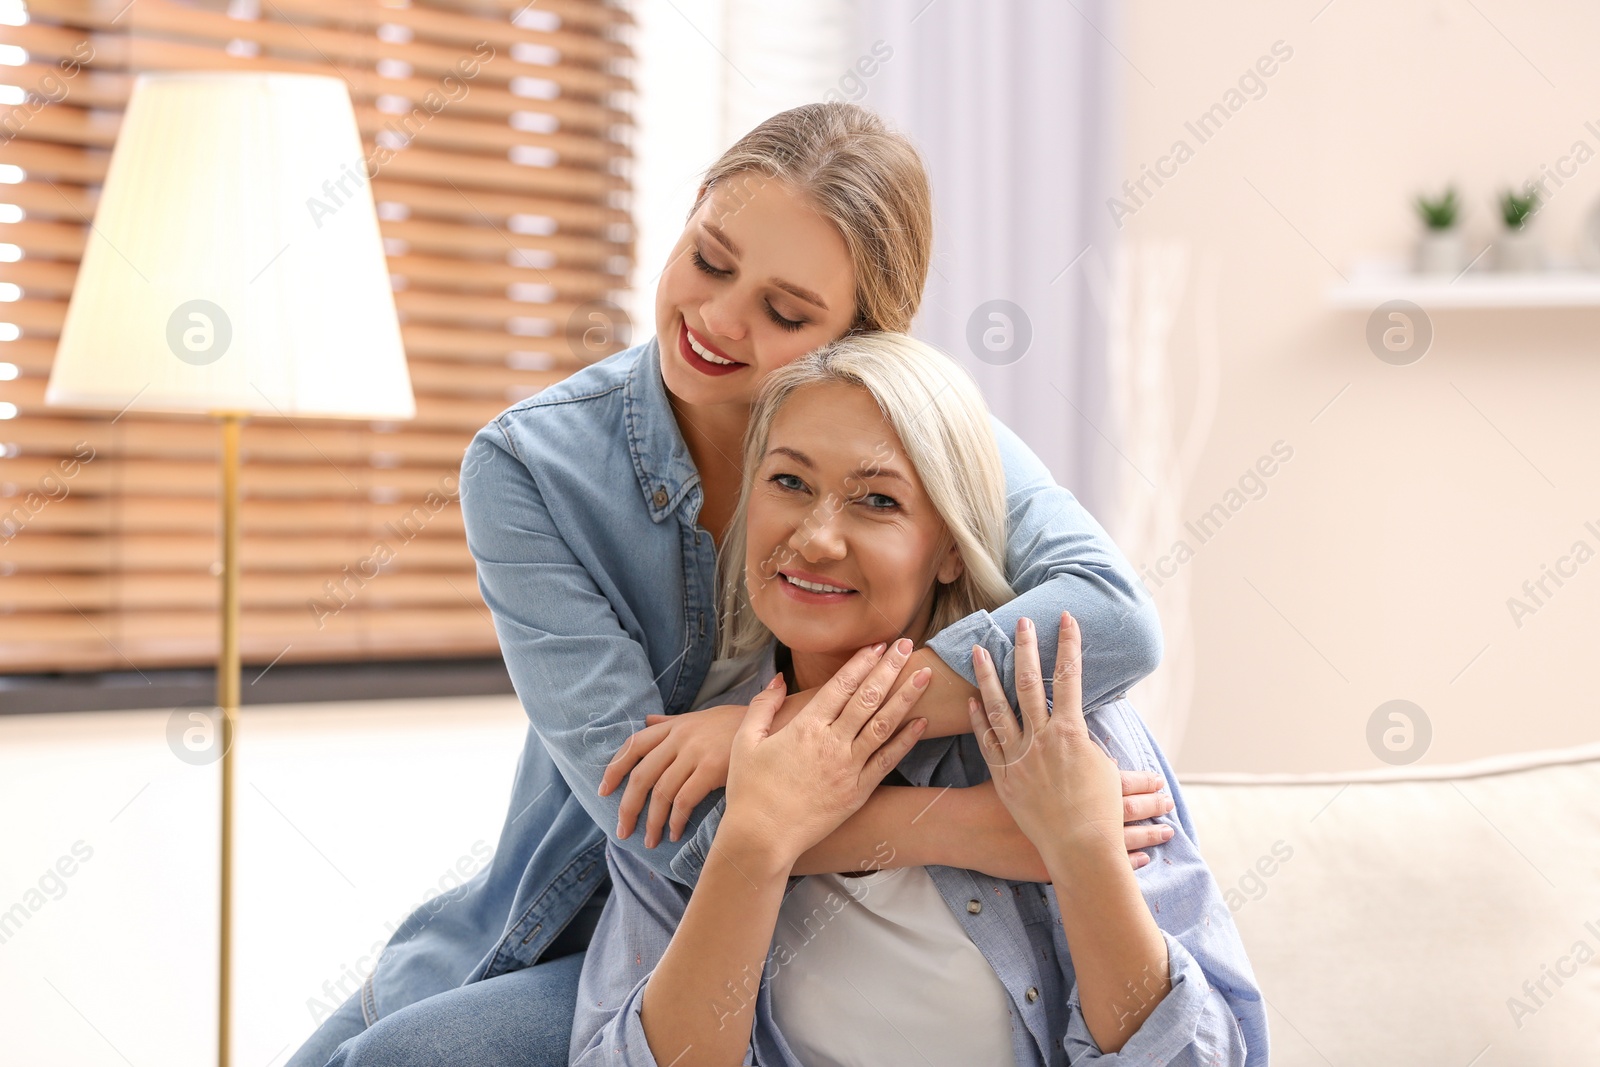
504 218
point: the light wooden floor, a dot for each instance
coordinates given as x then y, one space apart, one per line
348 816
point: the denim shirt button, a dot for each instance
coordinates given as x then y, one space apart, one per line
1032 994
974 906
660 498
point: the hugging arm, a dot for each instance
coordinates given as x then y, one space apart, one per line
1058 558
583 678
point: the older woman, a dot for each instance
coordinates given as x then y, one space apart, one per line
870 514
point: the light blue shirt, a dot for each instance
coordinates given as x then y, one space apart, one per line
581 507
1213 1014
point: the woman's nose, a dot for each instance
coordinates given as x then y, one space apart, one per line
820 536
721 315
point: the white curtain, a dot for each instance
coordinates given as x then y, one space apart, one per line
1015 108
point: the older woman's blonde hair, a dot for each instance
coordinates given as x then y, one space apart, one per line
862 176
943 424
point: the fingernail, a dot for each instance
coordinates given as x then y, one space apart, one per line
920 679
1168 833
877 649
903 646
981 653
1024 625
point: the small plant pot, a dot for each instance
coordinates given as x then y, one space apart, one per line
1518 251
1441 252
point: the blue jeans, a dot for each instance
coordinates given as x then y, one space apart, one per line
519 1019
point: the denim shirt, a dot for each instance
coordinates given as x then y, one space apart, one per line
581 507
1212 1015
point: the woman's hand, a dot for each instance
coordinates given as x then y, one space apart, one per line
1000 849
1063 790
677 760
792 787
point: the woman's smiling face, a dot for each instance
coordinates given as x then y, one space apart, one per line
836 504
758 279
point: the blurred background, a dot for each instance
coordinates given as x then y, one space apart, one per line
1301 300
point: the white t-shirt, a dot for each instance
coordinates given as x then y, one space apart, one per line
876 970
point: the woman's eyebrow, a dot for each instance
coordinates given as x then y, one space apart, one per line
727 242
804 294
866 470
792 289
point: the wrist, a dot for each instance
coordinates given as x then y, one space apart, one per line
752 848
969 816
1085 863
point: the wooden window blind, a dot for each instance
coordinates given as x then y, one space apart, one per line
505 222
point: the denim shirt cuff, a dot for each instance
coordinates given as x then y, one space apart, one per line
1173 1027
691 856
954 644
624 1034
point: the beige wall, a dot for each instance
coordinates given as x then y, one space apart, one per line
1424 497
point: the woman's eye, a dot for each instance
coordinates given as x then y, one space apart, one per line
699 261
889 501
785 481
782 323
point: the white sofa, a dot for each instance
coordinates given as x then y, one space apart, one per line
1422 916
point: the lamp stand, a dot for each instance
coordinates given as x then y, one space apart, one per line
228 702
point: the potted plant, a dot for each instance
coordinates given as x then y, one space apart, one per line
1518 249
1440 249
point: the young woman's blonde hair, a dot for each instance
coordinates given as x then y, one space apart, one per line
943 424
861 175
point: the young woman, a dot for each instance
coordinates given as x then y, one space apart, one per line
918 965
595 511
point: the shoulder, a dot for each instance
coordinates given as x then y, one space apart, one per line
594 383
584 406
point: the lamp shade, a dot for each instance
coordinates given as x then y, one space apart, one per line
235 263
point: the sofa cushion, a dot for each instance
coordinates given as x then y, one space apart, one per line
1418 916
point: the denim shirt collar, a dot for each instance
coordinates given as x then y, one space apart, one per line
661 459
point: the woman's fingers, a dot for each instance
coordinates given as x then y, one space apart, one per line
1137 837
996 705
1134 782
1030 677
641 780
635 748
835 694
1145 806
1139 859
875 732
872 692
651 720
696 789
757 722
662 796
893 751
988 743
1068 680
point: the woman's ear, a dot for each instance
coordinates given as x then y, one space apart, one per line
952 566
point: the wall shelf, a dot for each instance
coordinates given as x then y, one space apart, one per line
1372 285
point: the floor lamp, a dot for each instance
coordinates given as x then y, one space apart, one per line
234 269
